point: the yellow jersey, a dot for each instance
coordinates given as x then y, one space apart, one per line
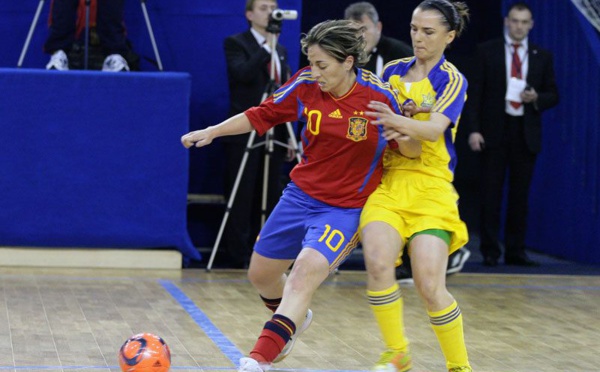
444 91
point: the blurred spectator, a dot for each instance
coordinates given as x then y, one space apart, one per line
107 31
381 48
512 84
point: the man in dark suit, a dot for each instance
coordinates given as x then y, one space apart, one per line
381 48
249 56
512 84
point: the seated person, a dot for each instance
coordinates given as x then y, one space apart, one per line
67 20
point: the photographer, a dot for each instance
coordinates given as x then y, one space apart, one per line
248 56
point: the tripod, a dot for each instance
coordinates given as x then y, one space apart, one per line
269 143
87 29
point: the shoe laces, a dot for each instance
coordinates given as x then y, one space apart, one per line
399 359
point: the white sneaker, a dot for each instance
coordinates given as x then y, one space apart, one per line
457 261
58 61
287 349
251 365
115 63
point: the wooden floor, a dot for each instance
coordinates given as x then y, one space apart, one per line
76 319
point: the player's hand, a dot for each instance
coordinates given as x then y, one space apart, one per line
383 115
410 109
476 142
392 134
198 138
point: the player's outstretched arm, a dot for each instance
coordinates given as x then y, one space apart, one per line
237 124
429 130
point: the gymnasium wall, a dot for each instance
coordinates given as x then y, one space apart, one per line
565 202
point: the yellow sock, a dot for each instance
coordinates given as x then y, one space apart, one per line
448 327
387 306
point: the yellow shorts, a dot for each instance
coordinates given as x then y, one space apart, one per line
411 202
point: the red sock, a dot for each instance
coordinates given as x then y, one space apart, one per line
272 339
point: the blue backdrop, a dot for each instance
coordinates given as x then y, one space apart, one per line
92 159
564 218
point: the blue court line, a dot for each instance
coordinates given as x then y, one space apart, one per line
222 342
227 347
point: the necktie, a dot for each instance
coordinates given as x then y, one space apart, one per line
515 70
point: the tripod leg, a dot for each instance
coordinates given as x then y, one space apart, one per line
294 141
268 154
149 26
236 184
30 33
86 42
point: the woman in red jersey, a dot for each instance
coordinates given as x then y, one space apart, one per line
315 223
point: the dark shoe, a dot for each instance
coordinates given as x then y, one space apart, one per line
404 275
520 261
457 260
490 261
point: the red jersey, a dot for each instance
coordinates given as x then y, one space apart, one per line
342 160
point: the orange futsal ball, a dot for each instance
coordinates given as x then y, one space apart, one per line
145 352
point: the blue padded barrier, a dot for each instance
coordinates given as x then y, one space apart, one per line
92 159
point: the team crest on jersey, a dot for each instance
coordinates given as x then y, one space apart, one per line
428 100
357 129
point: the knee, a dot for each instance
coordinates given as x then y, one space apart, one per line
430 290
306 275
378 257
376 263
296 282
426 288
258 278
381 245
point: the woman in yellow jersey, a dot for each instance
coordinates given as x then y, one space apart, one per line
415 205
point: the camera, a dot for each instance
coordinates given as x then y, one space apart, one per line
284 15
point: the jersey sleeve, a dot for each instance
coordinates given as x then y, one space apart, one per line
281 107
394 102
387 71
451 89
